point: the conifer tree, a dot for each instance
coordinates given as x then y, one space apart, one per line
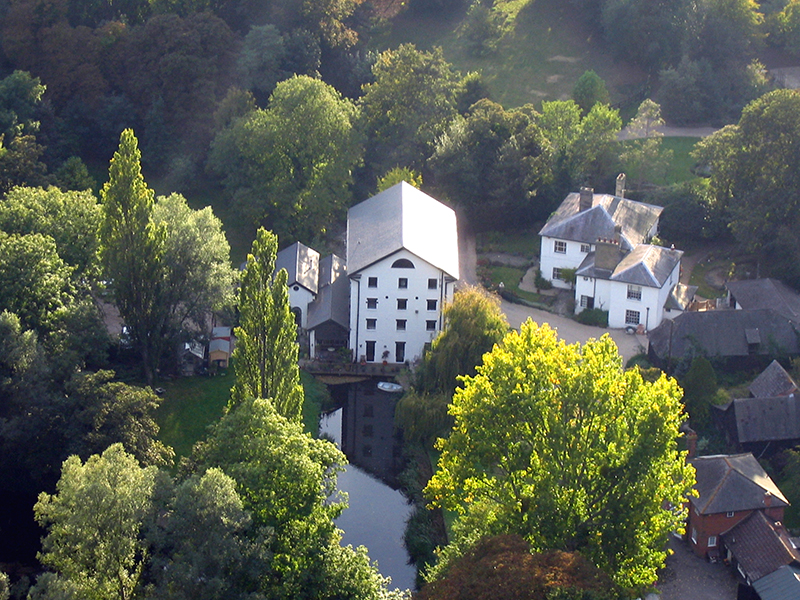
265 357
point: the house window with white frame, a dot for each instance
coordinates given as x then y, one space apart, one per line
432 304
560 247
402 283
430 325
372 303
586 248
694 535
712 541
372 282
372 323
401 324
634 292
730 514
557 273
632 317
433 283
402 303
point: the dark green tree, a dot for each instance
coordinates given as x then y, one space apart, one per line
589 90
559 444
265 357
755 173
289 166
132 248
699 387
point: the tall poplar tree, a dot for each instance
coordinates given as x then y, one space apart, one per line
131 248
265 357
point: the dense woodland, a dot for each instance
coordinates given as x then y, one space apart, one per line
290 112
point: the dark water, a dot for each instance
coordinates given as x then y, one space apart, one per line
377 513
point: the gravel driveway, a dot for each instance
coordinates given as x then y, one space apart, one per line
689 577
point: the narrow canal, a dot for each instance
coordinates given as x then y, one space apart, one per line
364 430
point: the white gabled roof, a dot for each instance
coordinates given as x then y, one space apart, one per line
402 217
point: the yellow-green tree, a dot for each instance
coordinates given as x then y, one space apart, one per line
559 444
266 350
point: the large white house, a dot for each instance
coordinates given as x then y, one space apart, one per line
402 261
604 240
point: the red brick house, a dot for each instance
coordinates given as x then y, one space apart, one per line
730 488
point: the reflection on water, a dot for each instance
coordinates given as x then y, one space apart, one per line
377 513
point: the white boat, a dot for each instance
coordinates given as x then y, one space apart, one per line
388 386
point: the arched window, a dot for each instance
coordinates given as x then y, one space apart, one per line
402 263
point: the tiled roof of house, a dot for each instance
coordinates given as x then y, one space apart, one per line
761 546
773 381
781 584
766 293
725 333
767 419
731 483
569 223
302 264
402 217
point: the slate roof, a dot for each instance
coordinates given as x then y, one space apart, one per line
734 483
330 269
302 264
636 219
766 419
646 265
331 304
397 218
724 333
761 546
680 297
773 381
782 584
766 293
221 332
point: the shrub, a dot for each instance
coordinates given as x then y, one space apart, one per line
593 316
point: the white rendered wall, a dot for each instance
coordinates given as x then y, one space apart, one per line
571 259
300 297
613 297
386 314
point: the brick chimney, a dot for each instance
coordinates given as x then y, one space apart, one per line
608 253
620 190
587 196
691 443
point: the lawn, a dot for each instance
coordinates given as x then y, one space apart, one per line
542 56
680 169
191 404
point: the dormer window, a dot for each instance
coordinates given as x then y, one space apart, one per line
634 292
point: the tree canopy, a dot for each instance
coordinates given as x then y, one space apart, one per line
755 173
559 444
289 166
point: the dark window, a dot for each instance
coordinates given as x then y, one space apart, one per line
372 323
370 351
432 304
401 324
402 263
399 352
433 283
372 282
402 303
430 325
372 303
369 411
366 430
402 283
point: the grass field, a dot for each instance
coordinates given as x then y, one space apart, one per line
542 56
192 404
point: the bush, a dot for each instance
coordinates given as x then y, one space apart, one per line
593 316
542 283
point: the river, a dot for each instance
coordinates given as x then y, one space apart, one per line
377 513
